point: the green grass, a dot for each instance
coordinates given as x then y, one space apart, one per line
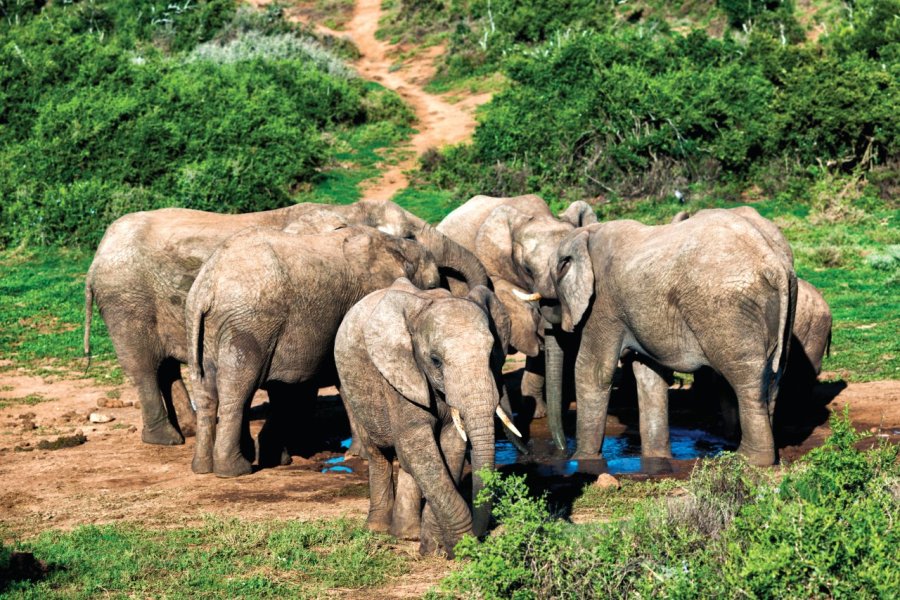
42 313
29 400
220 558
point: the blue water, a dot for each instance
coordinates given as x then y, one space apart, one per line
333 465
622 452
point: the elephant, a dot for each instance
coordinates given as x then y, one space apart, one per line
810 337
515 238
715 290
420 370
263 312
145 265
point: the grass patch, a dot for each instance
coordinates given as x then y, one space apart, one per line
220 558
29 400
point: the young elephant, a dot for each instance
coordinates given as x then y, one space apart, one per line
710 291
419 370
147 261
263 313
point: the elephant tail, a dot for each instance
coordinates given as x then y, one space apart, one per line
786 283
197 330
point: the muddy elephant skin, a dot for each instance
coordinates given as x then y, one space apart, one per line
147 261
716 290
263 313
419 370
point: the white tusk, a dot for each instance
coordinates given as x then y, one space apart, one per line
526 297
457 422
507 421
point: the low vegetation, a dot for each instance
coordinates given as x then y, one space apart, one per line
109 107
216 558
824 527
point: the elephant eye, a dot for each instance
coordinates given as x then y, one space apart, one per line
528 270
563 266
436 361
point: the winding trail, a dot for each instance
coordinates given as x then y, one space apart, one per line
439 122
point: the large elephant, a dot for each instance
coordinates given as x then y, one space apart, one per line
515 238
147 261
810 336
716 290
263 313
420 370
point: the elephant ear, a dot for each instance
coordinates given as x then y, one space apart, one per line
579 214
389 343
494 241
499 318
574 278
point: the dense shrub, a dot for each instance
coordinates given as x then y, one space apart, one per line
106 109
631 114
829 529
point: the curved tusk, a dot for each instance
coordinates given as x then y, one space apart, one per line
526 297
507 421
457 422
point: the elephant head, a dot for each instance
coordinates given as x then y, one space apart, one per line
433 345
452 259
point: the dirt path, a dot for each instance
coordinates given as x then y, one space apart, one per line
439 122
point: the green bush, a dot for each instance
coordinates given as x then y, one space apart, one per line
829 529
107 109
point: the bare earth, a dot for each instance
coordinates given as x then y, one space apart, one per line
439 121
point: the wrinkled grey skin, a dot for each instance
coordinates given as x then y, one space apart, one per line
405 357
515 238
263 313
147 261
716 290
810 336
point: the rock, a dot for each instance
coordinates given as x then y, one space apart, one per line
28 425
99 418
132 429
606 481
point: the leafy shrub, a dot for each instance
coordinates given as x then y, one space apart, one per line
829 529
887 260
99 118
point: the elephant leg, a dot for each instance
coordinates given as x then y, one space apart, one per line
430 536
757 439
653 407
176 398
598 357
407 517
420 456
158 428
206 396
381 490
229 457
533 385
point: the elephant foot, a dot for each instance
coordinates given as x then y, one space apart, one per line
188 429
757 458
405 527
379 523
202 465
162 435
286 458
232 468
540 409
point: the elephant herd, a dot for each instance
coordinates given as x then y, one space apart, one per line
413 323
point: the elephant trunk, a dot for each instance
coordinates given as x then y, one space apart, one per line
453 259
481 434
553 355
477 400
